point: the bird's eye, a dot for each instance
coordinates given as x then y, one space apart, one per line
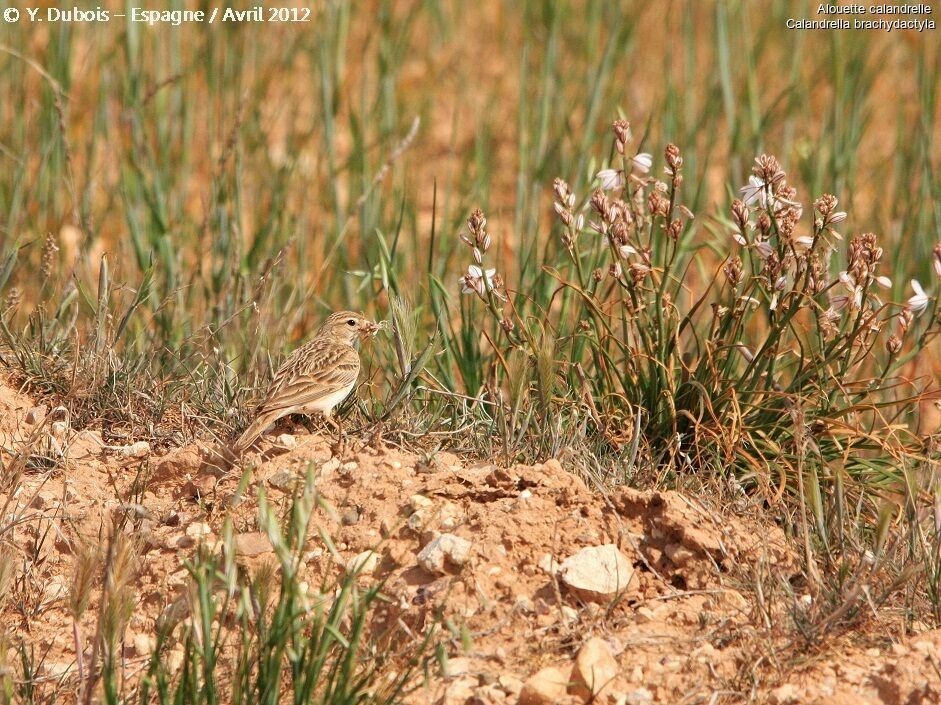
351 322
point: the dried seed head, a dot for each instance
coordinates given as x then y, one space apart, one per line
48 256
86 562
767 169
829 321
476 222
864 255
657 204
826 204
639 272
562 191
733 271
507 325
614 270
764 223
565 215
622 134
13 299
787 222
819 279
598 274
740 214
619 233
599 202
673 158
906 318
893 344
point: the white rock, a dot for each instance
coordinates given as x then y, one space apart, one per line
144 644
458 666
595 670
547 687
450 516
419 501
364 563
36 414
786 694
135 450
459 691
198 530
175 660
446 548
286 440
597 573
252 543
548 564
641 696
58 429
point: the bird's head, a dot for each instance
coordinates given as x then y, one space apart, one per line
348 326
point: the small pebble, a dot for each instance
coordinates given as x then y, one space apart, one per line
286 440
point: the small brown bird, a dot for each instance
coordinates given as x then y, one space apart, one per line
315 377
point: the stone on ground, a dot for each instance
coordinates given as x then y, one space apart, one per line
597 573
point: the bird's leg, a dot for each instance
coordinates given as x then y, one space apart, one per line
307 423
338 428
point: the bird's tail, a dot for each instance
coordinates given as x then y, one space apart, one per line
251 434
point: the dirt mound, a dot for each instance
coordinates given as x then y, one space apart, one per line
527 562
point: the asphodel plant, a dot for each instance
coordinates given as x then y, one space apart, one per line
701 349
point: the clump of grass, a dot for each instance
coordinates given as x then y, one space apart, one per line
747 361
266 636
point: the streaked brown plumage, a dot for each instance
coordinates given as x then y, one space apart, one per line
315 377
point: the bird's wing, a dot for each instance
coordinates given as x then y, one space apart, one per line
312 372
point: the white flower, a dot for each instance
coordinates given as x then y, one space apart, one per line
739 238
764 249
853 288
754 191
884 282
642 163
803 242
610 179
838 302
626 251
477 281
837 217
919 302
759 191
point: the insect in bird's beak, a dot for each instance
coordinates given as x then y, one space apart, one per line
373 328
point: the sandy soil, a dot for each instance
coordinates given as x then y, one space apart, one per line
692 624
